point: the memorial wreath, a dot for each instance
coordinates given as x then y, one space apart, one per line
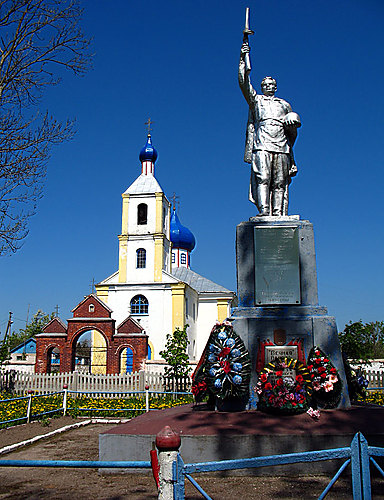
325 379
284 392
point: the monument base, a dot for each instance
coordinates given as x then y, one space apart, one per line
311 324
277 292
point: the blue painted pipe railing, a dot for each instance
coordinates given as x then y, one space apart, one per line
78 464
359 455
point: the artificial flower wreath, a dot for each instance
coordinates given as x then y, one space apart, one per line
325 379
279 392
225 370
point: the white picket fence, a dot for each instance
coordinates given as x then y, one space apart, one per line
374 377
44 383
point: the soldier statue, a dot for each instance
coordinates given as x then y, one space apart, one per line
271 133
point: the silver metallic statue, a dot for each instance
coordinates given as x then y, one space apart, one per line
271 133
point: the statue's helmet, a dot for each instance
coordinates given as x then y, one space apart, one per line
292 119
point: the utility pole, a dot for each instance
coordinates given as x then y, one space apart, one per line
8 330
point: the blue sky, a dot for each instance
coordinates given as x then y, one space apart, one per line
176 61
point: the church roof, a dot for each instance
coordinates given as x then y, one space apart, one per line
197 282
144 184
148 152
181 236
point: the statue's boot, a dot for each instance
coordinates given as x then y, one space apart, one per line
263 199
277 202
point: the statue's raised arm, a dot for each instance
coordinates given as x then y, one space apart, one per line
271 132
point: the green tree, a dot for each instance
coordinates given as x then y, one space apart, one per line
39 40
363 341
175 354
40 319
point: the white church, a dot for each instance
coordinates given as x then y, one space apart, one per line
154 283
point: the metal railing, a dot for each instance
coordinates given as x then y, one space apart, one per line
359 455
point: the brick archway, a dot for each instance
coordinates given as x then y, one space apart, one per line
90 314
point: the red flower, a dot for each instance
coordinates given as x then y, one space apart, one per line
224 352
199 387
226 367
323 375
333 370
299 378
312 375
268 386
326 360
318 361
317 353
321 369
279 382
279 373
294 403
263 377
298 388
310 367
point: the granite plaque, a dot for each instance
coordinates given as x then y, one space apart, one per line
277 271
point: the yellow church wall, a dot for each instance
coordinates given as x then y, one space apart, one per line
98 354
222 309
102 293
178 305
123 244
124 217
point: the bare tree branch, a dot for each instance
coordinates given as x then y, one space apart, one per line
37 39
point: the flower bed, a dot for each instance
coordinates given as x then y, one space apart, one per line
128 407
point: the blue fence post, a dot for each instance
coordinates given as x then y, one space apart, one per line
178 478
361 478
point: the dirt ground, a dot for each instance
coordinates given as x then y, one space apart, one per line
82 444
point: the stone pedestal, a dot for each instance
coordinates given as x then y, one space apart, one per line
277 290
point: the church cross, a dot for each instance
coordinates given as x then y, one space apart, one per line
174 198
149 122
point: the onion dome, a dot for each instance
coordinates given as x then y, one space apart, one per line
148 153
181 236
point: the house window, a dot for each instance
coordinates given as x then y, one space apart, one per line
142 211
183 258
141 258
91 308
139 305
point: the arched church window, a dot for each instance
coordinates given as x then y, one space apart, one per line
142 211
139 305
91 308
173 258
141 258
183 258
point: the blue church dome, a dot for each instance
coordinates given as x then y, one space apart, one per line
181 236
148 153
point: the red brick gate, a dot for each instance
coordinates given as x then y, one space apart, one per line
90 314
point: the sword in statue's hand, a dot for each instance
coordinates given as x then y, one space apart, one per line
247 31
